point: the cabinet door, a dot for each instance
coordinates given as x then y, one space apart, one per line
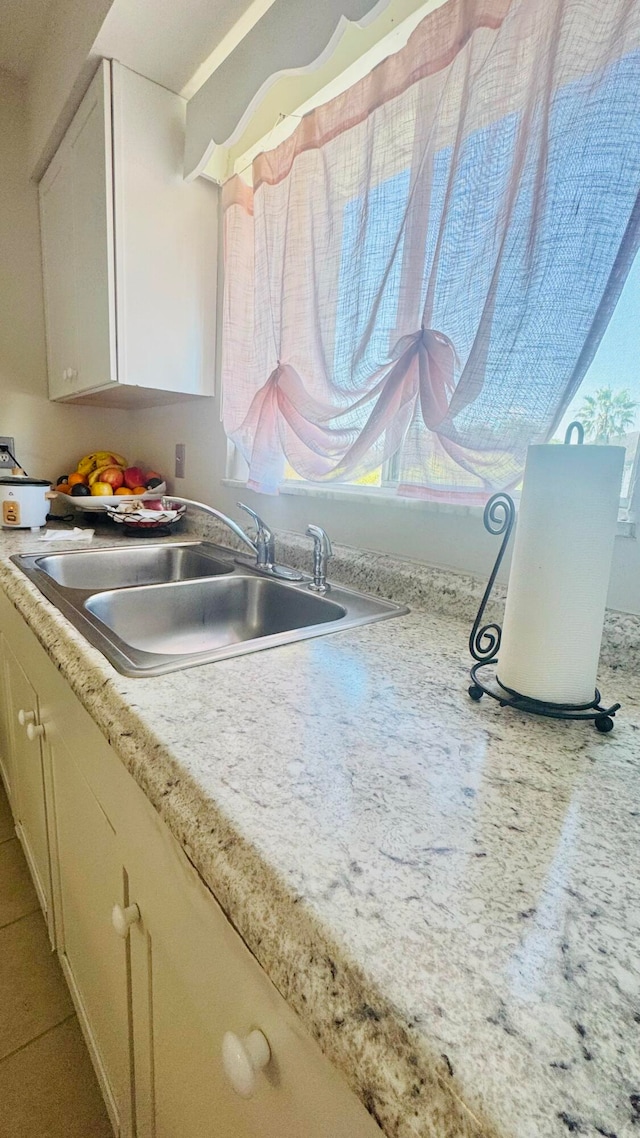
194 980
88 153
56 227
89 881
28 792
166 244
6 767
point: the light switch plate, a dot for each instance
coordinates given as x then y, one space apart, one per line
6 462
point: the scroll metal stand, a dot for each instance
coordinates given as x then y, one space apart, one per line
484 642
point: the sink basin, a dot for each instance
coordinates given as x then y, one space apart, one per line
160 607
205 616
131 565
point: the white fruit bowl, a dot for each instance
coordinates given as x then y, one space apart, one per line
109 502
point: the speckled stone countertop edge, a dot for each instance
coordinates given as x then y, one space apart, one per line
358 1030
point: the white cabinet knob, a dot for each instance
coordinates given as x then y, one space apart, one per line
243 1058
25 717
123 919
34 731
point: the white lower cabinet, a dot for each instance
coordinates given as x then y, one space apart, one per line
188 1036
29 803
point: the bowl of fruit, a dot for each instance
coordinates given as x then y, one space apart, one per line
104 479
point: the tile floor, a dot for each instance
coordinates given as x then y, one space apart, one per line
47 1085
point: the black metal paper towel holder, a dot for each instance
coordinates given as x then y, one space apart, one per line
484 641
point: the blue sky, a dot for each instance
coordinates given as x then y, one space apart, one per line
617 361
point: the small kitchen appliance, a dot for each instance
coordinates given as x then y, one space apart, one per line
24 502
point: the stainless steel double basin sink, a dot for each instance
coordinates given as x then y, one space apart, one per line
160 607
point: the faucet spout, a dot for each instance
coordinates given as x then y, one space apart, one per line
229 522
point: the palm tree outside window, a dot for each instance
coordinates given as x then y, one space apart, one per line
607 415
608 401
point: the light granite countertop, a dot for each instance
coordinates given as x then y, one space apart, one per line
448 893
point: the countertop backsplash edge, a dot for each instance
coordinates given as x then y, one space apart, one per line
442 592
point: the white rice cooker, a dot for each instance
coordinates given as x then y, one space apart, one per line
24 502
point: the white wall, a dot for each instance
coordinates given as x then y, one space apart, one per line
48 436
63 70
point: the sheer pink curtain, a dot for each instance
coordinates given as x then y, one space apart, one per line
425 267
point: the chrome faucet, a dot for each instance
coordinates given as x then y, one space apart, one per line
263 547
322 551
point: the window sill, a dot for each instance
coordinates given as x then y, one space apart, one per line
385 497
363 495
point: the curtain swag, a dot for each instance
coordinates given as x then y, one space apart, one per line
424 269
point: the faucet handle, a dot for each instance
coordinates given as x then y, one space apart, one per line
264 537
260 525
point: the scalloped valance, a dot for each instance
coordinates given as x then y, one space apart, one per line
291 44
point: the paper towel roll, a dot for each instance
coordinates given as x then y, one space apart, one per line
560 572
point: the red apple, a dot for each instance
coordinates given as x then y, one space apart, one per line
153 504
133 477
113 475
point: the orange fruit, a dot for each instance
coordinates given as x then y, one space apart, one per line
78 479
123 490
138 490
102 490
63 488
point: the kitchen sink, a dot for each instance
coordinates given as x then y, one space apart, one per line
205 616
131 565
158 608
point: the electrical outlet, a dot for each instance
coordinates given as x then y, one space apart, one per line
6 462
181 458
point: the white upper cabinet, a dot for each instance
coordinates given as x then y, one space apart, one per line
129 251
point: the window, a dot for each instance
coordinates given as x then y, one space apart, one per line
504 225
608 401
